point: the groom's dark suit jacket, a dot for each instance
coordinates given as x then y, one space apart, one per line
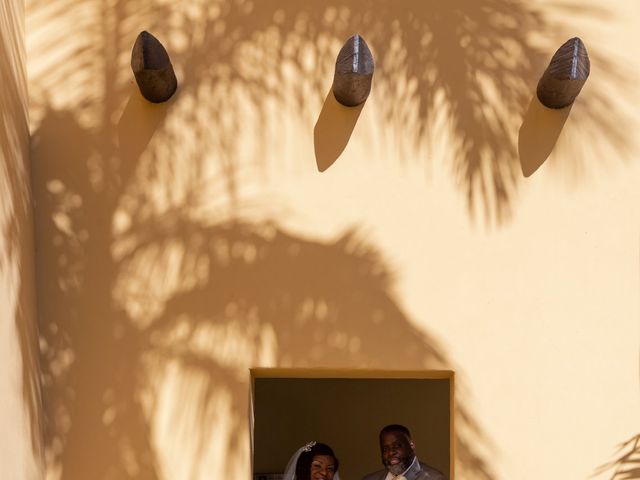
418 471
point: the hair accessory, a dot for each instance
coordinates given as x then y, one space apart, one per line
308 446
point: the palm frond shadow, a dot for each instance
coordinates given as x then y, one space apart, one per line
626 466
269 283
473 59
121 315
16 264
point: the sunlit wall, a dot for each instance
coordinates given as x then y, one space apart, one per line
20 406
179 245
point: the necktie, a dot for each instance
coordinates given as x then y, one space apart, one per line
399 477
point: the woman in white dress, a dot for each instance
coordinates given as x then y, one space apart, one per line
314 461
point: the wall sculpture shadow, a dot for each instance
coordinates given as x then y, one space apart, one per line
151 269
332 130
539 134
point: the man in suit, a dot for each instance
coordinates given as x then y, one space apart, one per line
399 458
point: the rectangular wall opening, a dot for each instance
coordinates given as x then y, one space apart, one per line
346 409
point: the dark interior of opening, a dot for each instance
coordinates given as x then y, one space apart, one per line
348 414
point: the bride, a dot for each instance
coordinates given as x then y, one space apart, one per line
314 461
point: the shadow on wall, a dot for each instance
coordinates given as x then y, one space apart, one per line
475 60
196 301
122 312
627 464
156 282
15 211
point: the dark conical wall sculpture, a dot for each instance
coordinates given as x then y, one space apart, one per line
354 71
152 68
567 72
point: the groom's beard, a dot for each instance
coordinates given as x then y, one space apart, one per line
401 466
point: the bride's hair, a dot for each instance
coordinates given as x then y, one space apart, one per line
303 466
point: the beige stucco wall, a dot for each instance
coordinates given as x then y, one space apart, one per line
20 418
179 245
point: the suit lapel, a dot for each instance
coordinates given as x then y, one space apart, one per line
414 471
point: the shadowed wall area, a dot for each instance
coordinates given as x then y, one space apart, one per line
20 447
149 332
165 268
470 64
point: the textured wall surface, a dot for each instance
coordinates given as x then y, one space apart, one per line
179 245
21 439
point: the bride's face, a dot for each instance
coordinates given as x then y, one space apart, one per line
322 467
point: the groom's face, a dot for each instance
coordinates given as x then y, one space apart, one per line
397 452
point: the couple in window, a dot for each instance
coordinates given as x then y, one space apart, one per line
317 461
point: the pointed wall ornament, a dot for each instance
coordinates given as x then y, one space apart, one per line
567 72
152 68
354 71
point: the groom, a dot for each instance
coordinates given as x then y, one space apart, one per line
399 458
